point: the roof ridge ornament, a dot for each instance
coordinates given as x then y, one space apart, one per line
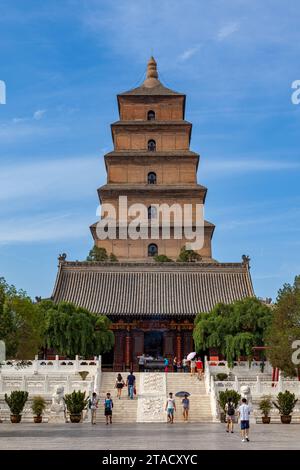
62 258
151 74
246 260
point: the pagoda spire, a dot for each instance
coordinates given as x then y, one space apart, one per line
152 74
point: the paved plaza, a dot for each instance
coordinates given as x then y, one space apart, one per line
144 436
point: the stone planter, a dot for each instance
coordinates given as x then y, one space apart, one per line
15 418
266 419
75 418
37 419
286 419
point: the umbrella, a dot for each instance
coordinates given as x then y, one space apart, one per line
182 394
191 356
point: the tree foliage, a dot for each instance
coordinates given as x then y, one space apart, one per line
188 256
233 329
72 330
97 253
20 326
285 328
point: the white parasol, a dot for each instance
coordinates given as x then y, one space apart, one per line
191 356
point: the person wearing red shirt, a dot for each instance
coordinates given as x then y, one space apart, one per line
199 366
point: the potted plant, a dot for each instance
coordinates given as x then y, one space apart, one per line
265 406
286 402
16 402
76 403
38 406
223 400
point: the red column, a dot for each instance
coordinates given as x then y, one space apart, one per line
128 350
178 347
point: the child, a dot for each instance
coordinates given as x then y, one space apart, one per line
108 406
93 405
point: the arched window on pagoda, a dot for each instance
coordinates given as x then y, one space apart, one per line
152 249
151 115
151 177
152 212
151 145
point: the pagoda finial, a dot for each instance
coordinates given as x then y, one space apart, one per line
151 75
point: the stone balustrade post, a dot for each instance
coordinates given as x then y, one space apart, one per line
76 363
258 385
236 384
35 365
56 362
280 384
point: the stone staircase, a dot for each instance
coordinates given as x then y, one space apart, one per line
124 410
149 403
200 410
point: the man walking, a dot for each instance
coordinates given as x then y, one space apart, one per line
130 383
244 414
170 408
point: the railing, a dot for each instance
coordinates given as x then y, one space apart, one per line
43 377
260 386
240 368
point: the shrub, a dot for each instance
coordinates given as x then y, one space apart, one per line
162 259
76 402
16 401
265 405
285 403
38 405
222 376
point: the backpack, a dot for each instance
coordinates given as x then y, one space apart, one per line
231 409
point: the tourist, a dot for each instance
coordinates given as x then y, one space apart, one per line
108 406
178 365
142 362
170 408
130 383
199 366
184 364
186 406
93 405
244 415
119 385
230 413
166 364
193 366
175 364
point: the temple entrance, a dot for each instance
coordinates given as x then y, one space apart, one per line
153 344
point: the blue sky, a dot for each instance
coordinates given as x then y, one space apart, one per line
64 61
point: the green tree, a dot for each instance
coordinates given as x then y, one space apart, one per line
233 329
20 327
285 328
72 330
100 254
188 256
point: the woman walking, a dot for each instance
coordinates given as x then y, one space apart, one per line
119 385
175 364
186 406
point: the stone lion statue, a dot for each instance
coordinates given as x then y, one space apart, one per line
58 401
246 393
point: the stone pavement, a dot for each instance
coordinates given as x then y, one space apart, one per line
159 436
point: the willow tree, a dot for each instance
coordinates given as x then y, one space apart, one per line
72 330
233 329
285 329
20 325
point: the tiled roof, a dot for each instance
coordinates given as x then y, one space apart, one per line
157 90
141 289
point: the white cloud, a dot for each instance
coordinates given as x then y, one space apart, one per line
228 30
41 228
39 114
247 165
188 53
53 179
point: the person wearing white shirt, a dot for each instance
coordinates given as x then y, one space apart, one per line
244 415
